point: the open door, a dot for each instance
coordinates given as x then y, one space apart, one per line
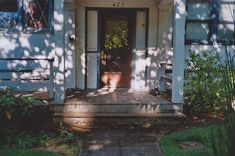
116 48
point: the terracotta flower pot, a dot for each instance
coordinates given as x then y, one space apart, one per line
111 79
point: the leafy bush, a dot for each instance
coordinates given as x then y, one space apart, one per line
11 152
25 140
203 83
14 107
66 135
228 71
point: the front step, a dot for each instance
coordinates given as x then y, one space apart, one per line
118 115
85 116
128 109
84 122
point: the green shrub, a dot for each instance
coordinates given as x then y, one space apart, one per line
66 135
14 152
228 72
14 107
203 83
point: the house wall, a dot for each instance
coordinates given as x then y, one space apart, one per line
24 63
140 62
25 45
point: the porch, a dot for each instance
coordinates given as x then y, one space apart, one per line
115 103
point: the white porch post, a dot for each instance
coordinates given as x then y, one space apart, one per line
178 56
59 51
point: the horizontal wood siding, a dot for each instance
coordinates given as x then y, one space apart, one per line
27 74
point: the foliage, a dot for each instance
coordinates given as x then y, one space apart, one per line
40 140
19 132
14 107
228 71
11 152
215 138
65 134
203 81
25 140
116 37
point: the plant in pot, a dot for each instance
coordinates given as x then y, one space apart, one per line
111 75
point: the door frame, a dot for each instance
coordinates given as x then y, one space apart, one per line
67 9
99 10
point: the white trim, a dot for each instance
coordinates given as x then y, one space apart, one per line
178 55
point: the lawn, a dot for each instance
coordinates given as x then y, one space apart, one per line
215 139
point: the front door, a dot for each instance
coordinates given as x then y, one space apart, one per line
116 47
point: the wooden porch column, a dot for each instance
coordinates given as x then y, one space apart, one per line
59 51
178 46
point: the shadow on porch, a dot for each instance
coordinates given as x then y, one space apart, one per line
115 103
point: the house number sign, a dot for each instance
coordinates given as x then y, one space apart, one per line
118 3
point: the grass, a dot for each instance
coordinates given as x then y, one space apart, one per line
215 139
11 152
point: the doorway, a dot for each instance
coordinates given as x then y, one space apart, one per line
116 48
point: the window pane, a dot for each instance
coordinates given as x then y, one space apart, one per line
197 10
197 31
227 12
8 5
37 14
9 15
226 33
8 19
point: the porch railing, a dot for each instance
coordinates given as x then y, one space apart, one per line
27 74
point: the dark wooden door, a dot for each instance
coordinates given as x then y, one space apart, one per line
116 47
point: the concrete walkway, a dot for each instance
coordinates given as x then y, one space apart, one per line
121 142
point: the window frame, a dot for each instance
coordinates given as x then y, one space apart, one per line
227 22
213 23
22 24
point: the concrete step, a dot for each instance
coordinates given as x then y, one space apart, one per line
178 115
117 108
85 122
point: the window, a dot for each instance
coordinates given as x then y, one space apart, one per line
226 24
210 21
36 14
9 13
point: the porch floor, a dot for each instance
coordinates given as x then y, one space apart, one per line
115 103
113 96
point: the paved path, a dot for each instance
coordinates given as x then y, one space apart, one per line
121 142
